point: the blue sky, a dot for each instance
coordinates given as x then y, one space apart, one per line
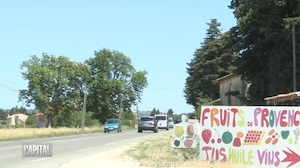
159 37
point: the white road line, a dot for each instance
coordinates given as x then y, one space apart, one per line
83 150
110 143
10 147
37 160
68 140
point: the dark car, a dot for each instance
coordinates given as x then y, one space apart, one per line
147 123
177 121
112 125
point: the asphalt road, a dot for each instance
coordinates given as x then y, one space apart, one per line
69 148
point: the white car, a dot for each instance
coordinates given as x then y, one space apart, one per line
162 121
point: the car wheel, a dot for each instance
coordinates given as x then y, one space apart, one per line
139 131
167 129
104 131
107 131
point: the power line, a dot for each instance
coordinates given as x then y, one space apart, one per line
12 82
9 88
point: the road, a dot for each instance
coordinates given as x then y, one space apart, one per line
69 148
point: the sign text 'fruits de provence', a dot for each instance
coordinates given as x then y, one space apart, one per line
251 136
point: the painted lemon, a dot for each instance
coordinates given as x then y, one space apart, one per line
179 131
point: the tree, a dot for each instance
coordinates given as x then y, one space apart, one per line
55 84
213 60
139 82
115 84
16 110
154 112
170 113
3 114
265 48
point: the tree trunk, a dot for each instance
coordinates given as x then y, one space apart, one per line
49 120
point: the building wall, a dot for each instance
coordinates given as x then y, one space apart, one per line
16 119
229 84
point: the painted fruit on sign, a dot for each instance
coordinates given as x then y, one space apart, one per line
190 130
179 131
188 143
206 135
176 143
285 134
227 137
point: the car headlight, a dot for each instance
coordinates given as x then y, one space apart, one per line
115 126
105 126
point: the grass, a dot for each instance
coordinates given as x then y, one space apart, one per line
8 134
160 153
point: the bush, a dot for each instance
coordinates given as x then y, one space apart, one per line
73 120
30 120
128 118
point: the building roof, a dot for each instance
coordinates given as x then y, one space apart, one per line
226 76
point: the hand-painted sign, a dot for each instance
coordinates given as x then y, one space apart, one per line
251 136
185 135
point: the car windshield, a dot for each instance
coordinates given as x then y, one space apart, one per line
161 117
111 121
146 119
170 120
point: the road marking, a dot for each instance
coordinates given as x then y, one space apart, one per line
110 143
68 140
83 150
125 140
37 160
10 147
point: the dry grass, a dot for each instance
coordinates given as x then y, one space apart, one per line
7 134
159 153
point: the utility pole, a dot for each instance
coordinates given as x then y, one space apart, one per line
83 112
121 104
294 60
137 111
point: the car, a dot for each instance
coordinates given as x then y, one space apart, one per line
162 121
171 123
112 124
177 121
147 123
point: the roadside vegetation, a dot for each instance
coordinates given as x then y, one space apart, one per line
158 152
61 125
14 133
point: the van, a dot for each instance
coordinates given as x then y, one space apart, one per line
162 121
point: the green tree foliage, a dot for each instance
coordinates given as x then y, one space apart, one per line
74 119
213 60
154 112
55 84
16 110
114 84
139 82
170 113
3 114
128 118
31 120
265 48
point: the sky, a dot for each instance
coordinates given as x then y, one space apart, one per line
158 36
